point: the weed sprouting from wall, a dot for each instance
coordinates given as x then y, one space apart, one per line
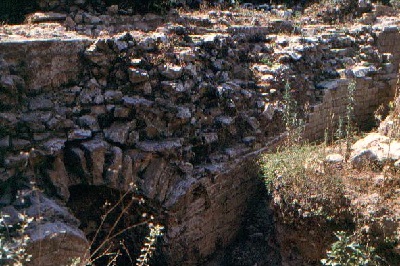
112 241
294 126
339 134
349 117
14 240
149 245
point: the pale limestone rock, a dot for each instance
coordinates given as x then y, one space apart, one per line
334 158
137 75
382 146
364 159
171 71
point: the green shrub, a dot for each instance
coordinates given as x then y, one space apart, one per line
349 117
346 252
295 174
395 4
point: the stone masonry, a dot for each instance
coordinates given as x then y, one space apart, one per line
180 111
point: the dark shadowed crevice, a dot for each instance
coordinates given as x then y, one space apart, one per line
90 203
256 242
14 11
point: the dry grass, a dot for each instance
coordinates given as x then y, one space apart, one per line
306 188
300 184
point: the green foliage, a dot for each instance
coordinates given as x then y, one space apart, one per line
349 117
346 252
296 174
339 134
286 166
159 6
395 4
267 61
293 124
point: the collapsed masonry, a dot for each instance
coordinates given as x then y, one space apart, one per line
180 112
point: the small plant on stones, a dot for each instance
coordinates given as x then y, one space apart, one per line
106 247
267 61
13 241
349 118
149 245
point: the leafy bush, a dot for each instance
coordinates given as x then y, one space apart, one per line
347 252
296 175
395 3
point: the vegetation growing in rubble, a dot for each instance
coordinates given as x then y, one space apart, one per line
307 189
13 241
296 172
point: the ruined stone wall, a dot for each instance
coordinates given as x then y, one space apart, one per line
45 64
139 113
174 113
369 94
209 211
374 77
387 40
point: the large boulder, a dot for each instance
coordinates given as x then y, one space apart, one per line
374 149
53 234
383 148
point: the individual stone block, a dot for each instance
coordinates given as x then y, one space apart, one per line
118 132
137 75
95 151
79 134
171 71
